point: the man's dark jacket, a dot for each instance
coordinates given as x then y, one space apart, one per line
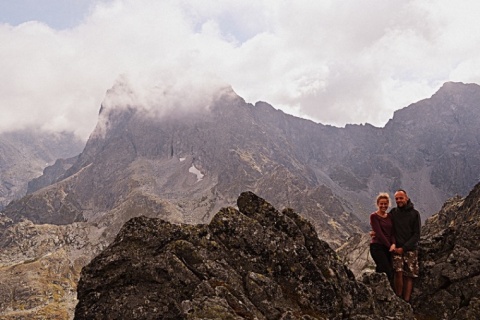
406 225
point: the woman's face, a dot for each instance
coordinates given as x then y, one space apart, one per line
382 205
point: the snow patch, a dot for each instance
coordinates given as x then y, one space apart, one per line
196 172
182 159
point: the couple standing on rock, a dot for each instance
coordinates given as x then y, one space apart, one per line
394 241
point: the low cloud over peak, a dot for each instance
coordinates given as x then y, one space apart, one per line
333 62
182 93
185 94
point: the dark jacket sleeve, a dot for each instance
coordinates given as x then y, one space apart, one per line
411 243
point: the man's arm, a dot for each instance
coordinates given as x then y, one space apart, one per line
412 242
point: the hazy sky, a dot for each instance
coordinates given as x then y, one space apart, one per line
335 62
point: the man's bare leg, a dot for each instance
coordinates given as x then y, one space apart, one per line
407 288
398 279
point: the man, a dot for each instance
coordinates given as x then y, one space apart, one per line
406 225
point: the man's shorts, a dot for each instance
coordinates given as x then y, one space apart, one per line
406 263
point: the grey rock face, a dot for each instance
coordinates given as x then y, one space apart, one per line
448 287
40 266
232 148
51 174
250 263
439 134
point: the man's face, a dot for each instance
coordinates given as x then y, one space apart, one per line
401 199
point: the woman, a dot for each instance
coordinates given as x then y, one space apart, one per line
383 243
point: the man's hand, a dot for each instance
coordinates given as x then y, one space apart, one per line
392 247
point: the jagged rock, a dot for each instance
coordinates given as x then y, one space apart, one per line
250 263
449 283
387 304
39 268
355 254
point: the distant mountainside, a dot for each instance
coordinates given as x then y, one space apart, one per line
184 167
25 153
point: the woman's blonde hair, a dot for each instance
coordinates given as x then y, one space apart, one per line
383 195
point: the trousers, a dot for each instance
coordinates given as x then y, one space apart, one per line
383 259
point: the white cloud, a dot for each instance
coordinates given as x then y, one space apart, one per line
334 61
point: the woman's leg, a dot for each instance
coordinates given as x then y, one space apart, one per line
381 256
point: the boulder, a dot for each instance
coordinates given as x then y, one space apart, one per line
250 263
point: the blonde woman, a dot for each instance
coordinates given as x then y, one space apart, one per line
383 241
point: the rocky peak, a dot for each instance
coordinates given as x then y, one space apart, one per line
250 263
439 137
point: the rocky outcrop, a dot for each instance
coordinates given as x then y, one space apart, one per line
250 263
355 254
449 283
40 266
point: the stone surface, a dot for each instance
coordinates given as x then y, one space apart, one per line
449 283
39 268
250 263
355 254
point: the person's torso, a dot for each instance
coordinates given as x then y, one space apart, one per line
404 224
386 228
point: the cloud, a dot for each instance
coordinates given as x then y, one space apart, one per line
336 62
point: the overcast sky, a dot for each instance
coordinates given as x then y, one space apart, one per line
334 62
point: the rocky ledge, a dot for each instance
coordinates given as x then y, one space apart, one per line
250 263
449 256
